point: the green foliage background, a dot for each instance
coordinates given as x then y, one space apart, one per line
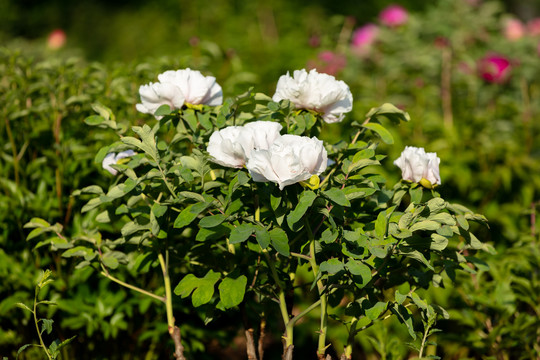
490 151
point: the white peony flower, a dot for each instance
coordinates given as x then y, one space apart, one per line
418 166
113 158
196 88
233 145
154 95
314 91
289 160
264 133
177 87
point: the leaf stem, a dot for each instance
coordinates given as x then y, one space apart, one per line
36 321
129 286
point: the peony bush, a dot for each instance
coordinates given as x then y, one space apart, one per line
243 209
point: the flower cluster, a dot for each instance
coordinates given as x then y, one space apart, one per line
176 88
267 155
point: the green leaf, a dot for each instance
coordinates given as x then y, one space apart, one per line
24 347
212 221
438 242
336 196
425 225
23 306
263 237
241 233
158 210
280 241
400 298
390 111
200 289
214 233
163 110
443 218
331 266
231 291
147 142
380 225
405 317
46 325
385 135
305 201
358 268
376 310
189 214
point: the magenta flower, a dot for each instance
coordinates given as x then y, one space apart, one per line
494 68
393 16
364 37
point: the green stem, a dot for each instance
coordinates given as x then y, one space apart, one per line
168 292
322 295
167 182
282 303
350 340
132 287
421 352
37 326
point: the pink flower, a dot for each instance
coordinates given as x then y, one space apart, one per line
513 29
328 62
364 37
494 68
56 39
393 16
533 27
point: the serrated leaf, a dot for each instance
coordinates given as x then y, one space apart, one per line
23 306
231 291
46 325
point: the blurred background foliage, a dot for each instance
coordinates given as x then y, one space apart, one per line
486 133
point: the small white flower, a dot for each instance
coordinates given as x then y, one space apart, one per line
416 165
289 160
154 95
233 145
113 158
314 91
196 88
